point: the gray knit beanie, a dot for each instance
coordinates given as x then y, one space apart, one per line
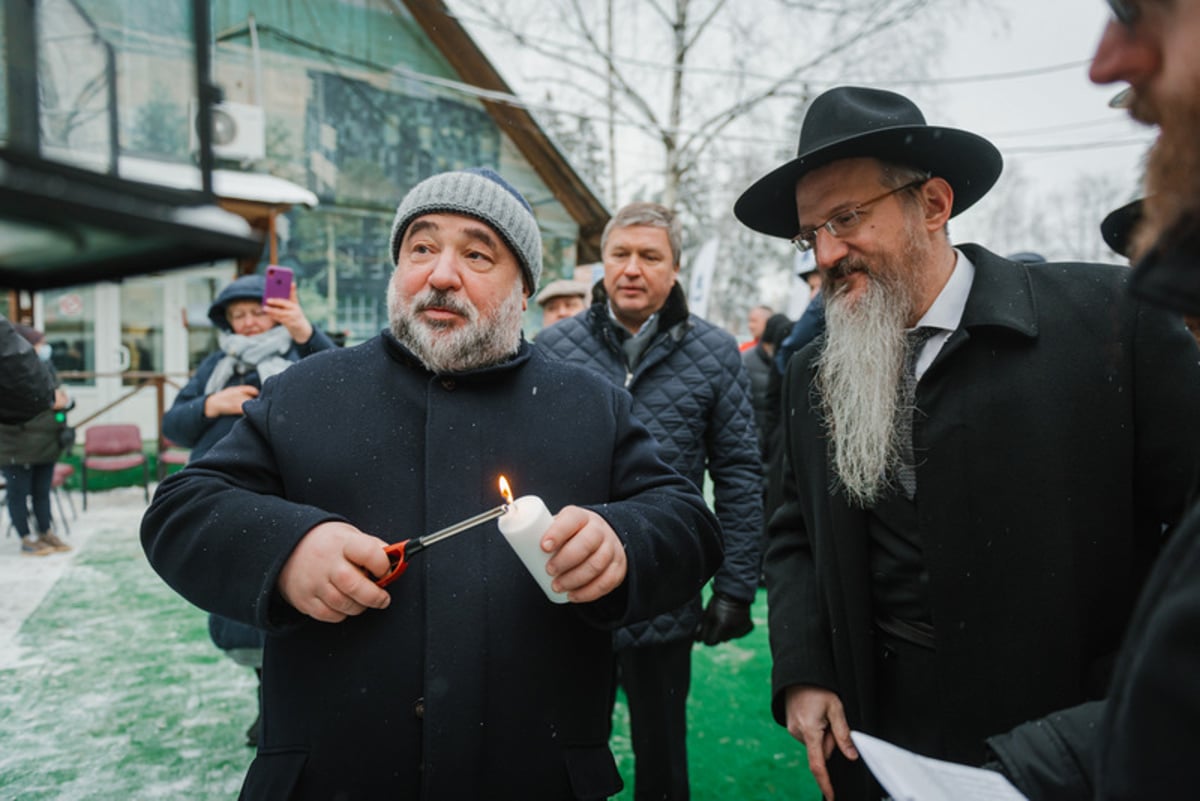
484 195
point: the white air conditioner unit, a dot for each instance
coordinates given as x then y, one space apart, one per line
239 131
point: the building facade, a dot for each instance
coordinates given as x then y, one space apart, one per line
347 102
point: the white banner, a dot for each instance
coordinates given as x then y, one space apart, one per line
798 291
703 267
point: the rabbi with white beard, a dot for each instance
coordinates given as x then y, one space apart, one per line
961 541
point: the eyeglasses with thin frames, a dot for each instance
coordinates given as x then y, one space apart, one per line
1126 11
847 220
257 312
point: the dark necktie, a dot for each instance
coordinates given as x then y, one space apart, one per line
907 473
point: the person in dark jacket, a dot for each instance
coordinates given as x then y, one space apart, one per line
978 559
28 451
1141 741
461 679
759 362
690 388
807 327
26 386
256 341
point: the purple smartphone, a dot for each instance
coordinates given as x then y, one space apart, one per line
279 283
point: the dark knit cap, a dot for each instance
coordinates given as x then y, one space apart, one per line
776 330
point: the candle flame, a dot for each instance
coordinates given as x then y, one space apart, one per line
505 490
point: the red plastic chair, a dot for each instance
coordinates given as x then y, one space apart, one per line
171 453
111 448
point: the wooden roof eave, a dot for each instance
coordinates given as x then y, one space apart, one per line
465 57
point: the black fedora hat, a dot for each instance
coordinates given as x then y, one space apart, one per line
1117 226
853 121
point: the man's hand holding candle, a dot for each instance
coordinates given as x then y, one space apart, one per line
590 559
324 577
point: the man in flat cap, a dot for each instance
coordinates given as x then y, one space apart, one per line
981 455
561 299
460 679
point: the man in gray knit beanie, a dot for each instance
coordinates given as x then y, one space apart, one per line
460 242
416 685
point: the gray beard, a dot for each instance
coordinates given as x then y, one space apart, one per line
858 381
483 340
1172 180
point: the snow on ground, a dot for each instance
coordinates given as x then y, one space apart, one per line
27 579
109 685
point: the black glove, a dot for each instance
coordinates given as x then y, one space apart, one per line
725 619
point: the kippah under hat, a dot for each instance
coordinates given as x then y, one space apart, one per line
480 193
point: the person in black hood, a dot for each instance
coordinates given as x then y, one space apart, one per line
26 386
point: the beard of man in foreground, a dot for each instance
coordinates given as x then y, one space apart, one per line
860 368
485 338
1173 168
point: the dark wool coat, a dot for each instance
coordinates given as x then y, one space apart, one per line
1142 741
471 684
691 391
759 369
1061 430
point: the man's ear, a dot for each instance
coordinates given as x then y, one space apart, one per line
938 198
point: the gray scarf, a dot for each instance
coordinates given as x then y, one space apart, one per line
262 353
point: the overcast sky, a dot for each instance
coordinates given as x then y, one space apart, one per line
1015 72
1054 125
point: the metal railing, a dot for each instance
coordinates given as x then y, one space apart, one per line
146 380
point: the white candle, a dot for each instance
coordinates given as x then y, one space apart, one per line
523 525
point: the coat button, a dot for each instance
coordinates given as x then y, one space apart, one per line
449 384
419 709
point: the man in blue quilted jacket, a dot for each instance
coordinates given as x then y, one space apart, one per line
690 389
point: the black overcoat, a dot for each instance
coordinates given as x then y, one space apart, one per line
1061 430
471 684
1141 741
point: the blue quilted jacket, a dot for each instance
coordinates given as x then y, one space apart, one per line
691 390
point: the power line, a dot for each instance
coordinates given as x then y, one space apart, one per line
510 99
1109 120
1101 145
984 77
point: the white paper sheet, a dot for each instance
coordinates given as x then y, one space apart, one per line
912 777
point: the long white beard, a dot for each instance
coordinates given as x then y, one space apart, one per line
858 377
484 339
862 363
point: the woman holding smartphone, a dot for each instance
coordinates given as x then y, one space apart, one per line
258 337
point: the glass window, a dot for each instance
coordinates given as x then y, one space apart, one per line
70 326
142 303
201 333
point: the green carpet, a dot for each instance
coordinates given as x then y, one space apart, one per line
736 751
